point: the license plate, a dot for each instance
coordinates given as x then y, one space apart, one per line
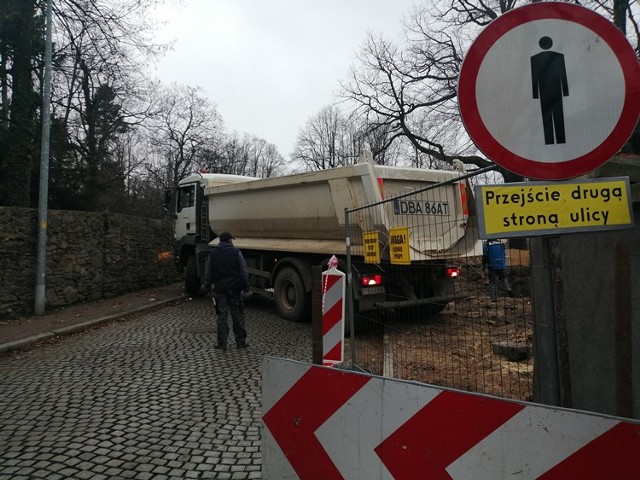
415 207
372 290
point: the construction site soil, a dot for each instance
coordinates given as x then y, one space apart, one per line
474 344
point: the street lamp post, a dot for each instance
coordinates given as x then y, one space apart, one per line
41 263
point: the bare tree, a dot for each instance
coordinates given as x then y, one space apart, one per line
316 146
99 48
234 155
263 158
187 127
329 139
249 155
99 93
411 91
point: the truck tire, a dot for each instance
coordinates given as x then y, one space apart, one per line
191 280
434 288
292 302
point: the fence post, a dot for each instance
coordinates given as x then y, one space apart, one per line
546 379
349 317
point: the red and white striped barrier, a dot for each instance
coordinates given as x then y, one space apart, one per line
333 295
334 424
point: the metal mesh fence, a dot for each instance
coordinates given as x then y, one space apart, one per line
437 321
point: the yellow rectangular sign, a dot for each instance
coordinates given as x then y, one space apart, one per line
399 245
543 208
371 247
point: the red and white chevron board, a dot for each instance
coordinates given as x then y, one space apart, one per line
333 291
329 424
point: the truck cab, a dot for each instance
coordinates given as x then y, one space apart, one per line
189 208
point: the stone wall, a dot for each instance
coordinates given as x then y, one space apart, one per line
89 256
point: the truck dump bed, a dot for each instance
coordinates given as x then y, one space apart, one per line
306 212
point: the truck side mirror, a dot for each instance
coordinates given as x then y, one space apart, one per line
167 200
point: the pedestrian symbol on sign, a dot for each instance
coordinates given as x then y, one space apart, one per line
549 79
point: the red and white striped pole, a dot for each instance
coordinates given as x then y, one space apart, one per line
333 300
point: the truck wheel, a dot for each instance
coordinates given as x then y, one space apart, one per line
435 288
191 279
292 301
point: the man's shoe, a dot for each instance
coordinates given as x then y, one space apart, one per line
220 346
242 345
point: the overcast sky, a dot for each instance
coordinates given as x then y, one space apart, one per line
270 65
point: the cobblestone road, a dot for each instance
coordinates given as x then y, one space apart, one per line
146 398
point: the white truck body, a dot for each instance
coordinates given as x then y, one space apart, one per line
284 225
306 212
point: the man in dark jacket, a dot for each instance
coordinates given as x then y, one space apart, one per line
227 272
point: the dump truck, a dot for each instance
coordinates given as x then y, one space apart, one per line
286 225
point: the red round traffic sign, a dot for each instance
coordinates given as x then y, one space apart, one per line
550 90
